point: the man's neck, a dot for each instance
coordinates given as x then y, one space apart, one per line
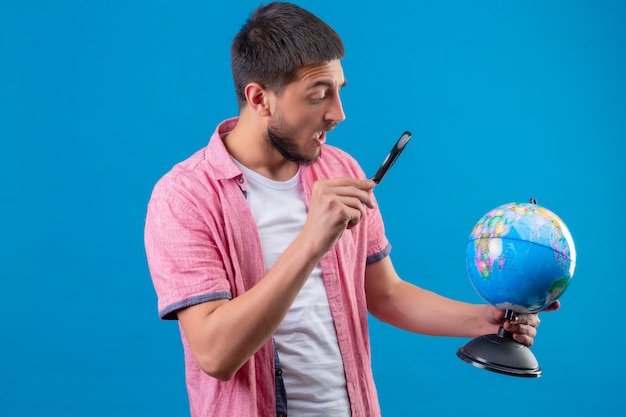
249 145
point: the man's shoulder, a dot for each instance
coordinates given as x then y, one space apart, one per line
212 160
184 175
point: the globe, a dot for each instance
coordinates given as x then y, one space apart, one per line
520 257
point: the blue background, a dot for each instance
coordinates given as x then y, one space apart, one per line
507 100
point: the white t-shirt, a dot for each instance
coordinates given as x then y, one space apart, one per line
307 345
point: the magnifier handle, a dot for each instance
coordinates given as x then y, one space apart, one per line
391 157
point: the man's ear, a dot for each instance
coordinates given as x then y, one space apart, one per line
258 98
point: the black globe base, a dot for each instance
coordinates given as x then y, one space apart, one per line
500 353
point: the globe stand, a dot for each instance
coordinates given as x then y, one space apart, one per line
501 353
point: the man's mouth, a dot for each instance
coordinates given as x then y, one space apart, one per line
321 135
321 138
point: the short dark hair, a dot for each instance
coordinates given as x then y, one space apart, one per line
276 40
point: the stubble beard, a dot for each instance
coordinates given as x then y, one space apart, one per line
280 140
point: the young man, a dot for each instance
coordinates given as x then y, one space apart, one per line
268 247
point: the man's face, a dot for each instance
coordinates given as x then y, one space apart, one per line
305 111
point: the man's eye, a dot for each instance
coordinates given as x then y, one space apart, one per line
317 99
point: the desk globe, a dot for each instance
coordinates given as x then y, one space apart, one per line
520 258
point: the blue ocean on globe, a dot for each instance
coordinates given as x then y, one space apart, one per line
521 257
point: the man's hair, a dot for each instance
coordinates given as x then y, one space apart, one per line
277 40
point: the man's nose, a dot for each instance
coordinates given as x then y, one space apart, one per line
335 112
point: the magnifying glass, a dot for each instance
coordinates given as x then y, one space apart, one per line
391 157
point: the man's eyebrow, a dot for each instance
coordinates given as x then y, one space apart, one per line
325 83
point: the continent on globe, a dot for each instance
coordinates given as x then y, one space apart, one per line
521 257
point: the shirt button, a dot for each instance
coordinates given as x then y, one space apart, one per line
279 372
240 180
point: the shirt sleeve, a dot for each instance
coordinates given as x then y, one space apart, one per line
378 246
183 256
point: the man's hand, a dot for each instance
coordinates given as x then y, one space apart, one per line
523 326
336 205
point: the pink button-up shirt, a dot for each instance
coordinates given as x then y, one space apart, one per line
202 244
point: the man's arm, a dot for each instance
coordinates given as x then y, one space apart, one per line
407 306
224 334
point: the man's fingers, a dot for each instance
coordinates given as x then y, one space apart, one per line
523 333
529 319
355 211
552 307
351 182
353 196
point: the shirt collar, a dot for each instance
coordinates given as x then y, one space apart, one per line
216 154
